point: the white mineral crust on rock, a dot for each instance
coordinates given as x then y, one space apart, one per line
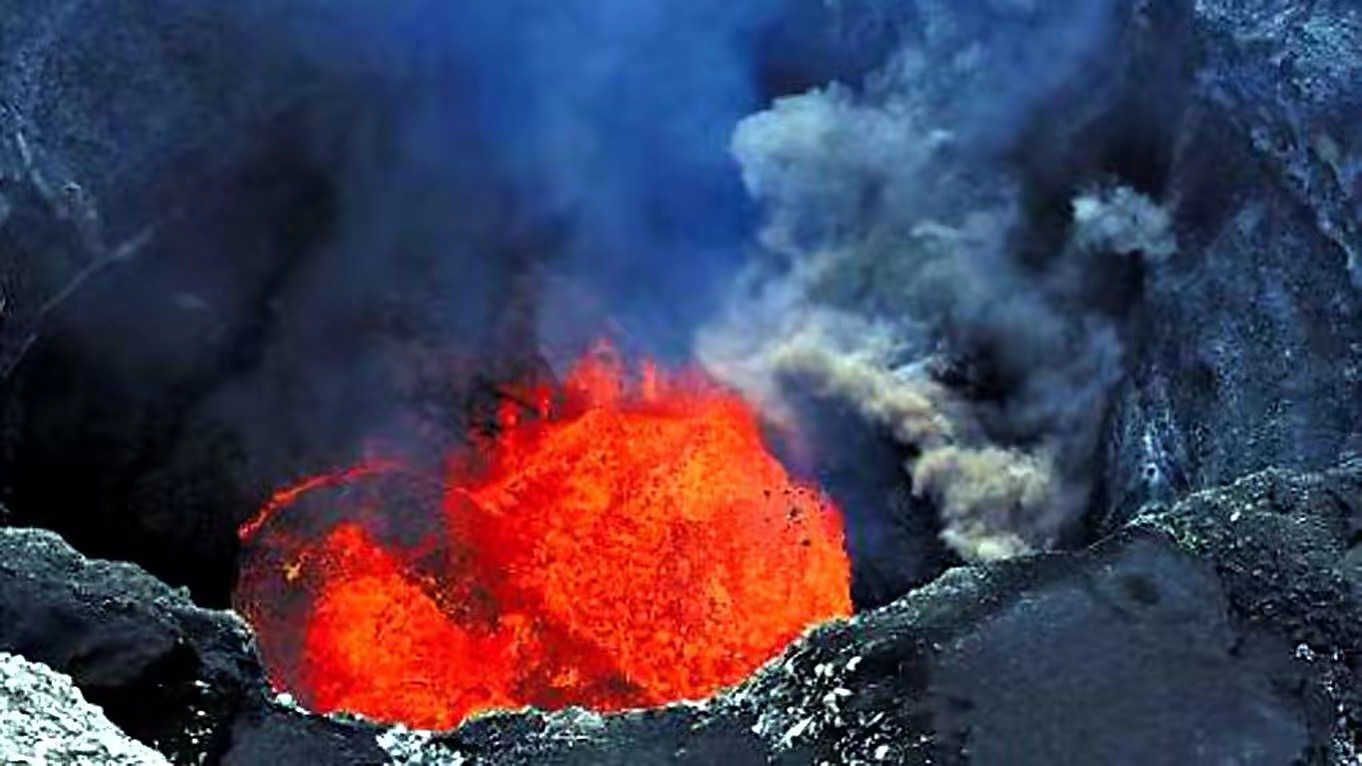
44 721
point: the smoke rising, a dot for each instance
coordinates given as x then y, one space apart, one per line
899 284
1123 221
365 201
370 209
606 120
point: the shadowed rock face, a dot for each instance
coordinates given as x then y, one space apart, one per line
181 679
120 129
1250 338
1218 630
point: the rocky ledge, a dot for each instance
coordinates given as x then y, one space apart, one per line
1221 629
45 720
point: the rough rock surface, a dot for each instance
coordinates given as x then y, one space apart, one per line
1215 631
175 677
139 146
45 720
1249 348
1218 630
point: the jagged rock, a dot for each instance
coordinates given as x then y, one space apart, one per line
1217 630
45 720
117 127
1249 350
166 671
178 678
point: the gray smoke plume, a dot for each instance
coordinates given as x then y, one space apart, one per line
895 229
1123 221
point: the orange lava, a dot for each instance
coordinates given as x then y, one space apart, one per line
620 542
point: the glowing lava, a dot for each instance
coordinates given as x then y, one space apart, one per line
620 542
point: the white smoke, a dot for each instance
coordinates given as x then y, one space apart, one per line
1121 220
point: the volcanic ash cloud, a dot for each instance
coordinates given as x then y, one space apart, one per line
893 235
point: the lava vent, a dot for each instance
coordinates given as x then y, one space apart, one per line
622 540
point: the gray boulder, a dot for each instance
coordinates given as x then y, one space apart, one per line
45 720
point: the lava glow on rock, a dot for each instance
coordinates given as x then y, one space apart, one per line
618 542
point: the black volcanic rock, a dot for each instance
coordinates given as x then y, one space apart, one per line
1249 350
1218 630
203 294
120 125
181 679
133 646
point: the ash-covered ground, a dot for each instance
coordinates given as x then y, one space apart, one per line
1096 264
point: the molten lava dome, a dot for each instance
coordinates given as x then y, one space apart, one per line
619 542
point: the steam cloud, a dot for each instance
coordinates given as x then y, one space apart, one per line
898 284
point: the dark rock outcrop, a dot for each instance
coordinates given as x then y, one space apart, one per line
181 679
1218 630
1249 350
140 146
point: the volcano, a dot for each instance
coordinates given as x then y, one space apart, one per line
617 541
1059 302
